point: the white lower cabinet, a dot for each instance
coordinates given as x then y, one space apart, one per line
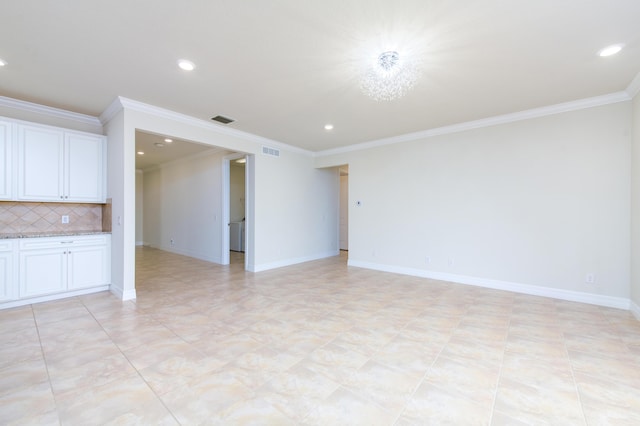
42 272
55 265
7 271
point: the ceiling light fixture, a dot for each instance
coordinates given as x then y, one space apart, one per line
241 161
610 50
167 140
328 126
159 144
186 65
390 77
2 62
140 152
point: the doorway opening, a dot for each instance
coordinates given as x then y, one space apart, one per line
343 227
237 193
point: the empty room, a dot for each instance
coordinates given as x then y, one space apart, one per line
339 212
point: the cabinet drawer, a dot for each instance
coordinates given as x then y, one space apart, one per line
6 245
57 242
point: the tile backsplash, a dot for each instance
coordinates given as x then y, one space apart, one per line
17 217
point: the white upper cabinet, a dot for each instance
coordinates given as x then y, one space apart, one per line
59 165
6 160
40 163
84 168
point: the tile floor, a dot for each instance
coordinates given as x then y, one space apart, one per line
317 343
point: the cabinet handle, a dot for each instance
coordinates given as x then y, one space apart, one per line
66 242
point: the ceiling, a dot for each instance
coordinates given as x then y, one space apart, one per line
285 68
157 151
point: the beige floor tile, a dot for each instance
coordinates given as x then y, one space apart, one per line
388 387
15 319
151 353
344 407
28 405
335 362
18 346
94 373
608 402
431 405
297 391
538 404
117 402
315 343
179 370
474 380
205 398
21 375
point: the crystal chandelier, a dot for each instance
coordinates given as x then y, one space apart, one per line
389 77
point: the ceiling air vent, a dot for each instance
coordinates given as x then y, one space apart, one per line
222 119
270 151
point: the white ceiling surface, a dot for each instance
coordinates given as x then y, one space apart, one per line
284 68
155 156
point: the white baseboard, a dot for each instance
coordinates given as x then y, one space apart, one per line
289 262
123 294
193 254
635 310
573 296
50 297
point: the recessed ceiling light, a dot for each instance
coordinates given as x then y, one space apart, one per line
159 144
186 65
2 62
610 50
328 126
167 140
140 152
241 161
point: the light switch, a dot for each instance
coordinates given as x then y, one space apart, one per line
65 218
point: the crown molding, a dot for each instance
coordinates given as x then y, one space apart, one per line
125 103
634 87
485 122
49 111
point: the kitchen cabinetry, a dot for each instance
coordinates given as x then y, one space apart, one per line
59 165
58 264
6 160
7 277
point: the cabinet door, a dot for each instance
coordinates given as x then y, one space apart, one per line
84 171
42 272
40 162
6 139
6 275
87 266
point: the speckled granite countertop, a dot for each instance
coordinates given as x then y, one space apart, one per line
4 236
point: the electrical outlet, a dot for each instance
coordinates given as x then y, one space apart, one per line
451 262
65 218
172 242
427 260
590 278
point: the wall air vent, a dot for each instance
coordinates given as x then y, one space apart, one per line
270 151
222 119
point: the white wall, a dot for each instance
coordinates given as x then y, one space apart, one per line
635 210
183 203
121 190
296 210
139 208
294 214
533 205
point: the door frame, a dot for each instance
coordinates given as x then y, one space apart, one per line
248 207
